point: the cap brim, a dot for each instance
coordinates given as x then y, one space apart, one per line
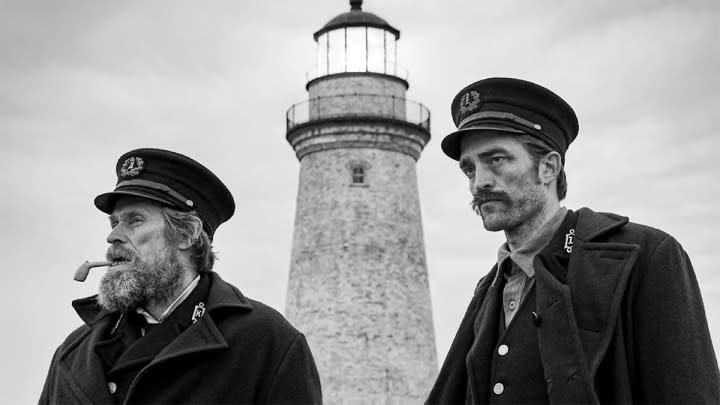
106 202
451 143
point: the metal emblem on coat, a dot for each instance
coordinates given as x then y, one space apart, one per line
569 240
198 312
132 167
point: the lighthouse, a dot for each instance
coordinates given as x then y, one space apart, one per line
358 285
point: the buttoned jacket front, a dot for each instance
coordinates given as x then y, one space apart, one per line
624 324
240 351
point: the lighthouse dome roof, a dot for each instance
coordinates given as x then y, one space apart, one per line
356 17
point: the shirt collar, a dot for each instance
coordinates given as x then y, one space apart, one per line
179 300
525 254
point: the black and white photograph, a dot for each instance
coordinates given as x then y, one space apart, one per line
360 202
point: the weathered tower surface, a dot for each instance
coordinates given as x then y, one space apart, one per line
358 284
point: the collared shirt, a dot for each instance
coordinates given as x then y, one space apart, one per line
517 285
178 300
521 276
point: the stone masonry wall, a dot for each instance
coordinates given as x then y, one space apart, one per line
356 94
356 84
358 284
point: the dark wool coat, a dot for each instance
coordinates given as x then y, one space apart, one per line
240 351
624 324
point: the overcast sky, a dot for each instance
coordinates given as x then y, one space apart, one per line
85 81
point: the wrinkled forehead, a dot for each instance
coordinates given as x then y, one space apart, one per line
485 141
132 203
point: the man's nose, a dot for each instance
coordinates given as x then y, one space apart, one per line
482 180
117 234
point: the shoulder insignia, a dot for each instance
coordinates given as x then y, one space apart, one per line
569 240
198 312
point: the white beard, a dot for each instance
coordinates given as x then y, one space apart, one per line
125 288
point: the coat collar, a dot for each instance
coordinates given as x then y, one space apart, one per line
592 225
89 310
225 295
84 369
579 309
524 255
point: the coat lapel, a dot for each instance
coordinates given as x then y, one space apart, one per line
204 335
598 275
485 325
451 386
145 349
82 368
579 313
566 374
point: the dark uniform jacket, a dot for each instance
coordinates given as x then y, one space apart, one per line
238 351
621 322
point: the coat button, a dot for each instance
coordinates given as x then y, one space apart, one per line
536 318
498 388
112 387
503 350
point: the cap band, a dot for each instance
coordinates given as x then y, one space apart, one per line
496 127
156 186
500 115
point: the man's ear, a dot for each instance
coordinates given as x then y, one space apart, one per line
185 244
549 167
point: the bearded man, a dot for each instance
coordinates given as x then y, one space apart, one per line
164 327
581 307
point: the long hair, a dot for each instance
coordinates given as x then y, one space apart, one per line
188 227
537 149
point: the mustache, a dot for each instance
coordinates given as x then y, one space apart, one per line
482 196
116 252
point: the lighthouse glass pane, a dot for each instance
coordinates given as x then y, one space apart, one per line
336 51
322 55
390 53
376 50
356 49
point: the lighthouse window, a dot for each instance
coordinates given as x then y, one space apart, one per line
336 51
322 55
376 50
358 175
390 54
356 49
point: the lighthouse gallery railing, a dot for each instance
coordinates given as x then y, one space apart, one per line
358 106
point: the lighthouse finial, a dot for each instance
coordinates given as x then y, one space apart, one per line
355 4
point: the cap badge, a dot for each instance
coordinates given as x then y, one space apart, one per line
469 101
132 167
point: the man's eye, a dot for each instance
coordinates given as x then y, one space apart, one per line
136 220
468 171
496 160
113 224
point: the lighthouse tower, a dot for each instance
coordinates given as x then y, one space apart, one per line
358 286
